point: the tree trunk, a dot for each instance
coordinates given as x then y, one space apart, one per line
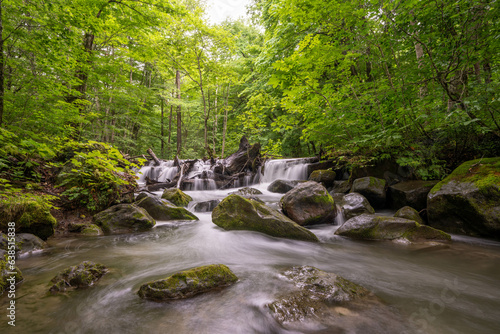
224 127
214 134
179 119
162 128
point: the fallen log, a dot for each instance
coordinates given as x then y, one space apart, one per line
153 155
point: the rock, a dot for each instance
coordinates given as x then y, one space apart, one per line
142 195
282 186
124 218
4 244
161 209
410 213
186 284
331 303
30 216
468 200
91 229
409 193
354 204
246 192
29 243
206 206
319 166
323 176
372 227
341 187
6 276
238 213
373 189
309 203
83 275
176 196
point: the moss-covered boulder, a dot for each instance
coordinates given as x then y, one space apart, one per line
409 193
341 187
282 186
30 215
176 196
238 213
188 283
410 213
91 229
83 275
323 176
161 209
468 200
309 203
373 189
354 204
124 218
10 275
29 243
206 206
372 227
247 191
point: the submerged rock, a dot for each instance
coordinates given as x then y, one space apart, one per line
161 209
206 206
124 218
324 176
282 186
373 189
410 213
468 200
409 193
309 203
82 275
372 227
238 213
176 196
188 283
354 204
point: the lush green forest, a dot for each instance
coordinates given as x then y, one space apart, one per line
414 81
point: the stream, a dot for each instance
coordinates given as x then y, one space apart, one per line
435 290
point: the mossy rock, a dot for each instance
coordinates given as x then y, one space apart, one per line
341 186
409 193
206 206
29 243
282 186
468 200
83 275
8 273
323 176
238 213
188 283
176 196
373 189
124 218
91 229
161 209
30 216
372 227
309 203
247 191
410 213
354 204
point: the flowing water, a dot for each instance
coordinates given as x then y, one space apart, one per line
436 290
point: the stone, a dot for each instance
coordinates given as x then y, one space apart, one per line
29 243
410 213
309 203
373 189
83 275
372 227
5 273
468 200
341 187
161 209
409 193
176 196
238 213
124 218
188 283
91 229
206 206
246 192
354 204
324 176
282 186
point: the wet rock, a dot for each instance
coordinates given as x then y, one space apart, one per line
91 229
354 204
238 213
410 213
341 187
124 218
282 186
161 209
176 196
373 189
29 243
83 275
468 200
309 203
324 176
409 193
206 206
186 284
6 270
372 227
246 192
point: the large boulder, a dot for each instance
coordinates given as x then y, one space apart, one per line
83 275
29 243
410 213
331 303
468 200
10 275
409 193
282 186
176 196
309 203
373 189
188 283
354 204
124 218
238 213
372 227
206 206
161 209
323 176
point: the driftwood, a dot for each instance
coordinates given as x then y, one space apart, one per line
153 155
244 158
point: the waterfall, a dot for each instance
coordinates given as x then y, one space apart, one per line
285 169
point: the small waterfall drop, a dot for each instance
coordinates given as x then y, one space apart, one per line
286 169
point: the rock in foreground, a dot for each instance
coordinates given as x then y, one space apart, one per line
82 275
124 218
176 196
354 204
372 227
161 209
186 284
238 213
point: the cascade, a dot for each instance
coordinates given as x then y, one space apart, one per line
286 169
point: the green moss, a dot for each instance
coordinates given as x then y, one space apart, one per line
91 230
4 274
82 275
177 197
